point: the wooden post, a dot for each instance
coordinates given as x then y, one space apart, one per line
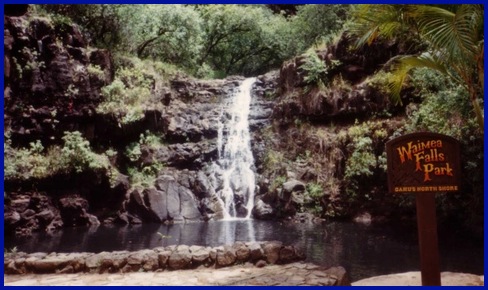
428 244
425 163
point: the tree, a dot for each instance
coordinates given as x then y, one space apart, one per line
314 24
241 38
170 33
100 23
454 38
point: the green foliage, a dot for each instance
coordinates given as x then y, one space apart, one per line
277 182
131 91
364 144
314 190
274 159
204 40
380 81
243 39
102 24
452 36
315 24
446 109
77 154
143 173
313 195
316 70
36 162
96 71
145 176
169 33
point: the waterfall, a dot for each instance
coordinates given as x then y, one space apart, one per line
235 160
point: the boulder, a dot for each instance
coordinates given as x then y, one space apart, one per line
200 255
272 251
293 185
262 210
256 252
242 251
180 258
73 211
226 257
340 274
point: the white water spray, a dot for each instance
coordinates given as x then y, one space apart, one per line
234 166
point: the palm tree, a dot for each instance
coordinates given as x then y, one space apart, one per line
453 35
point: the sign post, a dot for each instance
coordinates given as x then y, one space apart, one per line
424 163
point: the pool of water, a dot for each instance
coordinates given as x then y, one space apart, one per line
364 251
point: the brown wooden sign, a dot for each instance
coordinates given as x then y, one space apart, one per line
423 162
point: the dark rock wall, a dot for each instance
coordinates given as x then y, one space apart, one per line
53 84
48 86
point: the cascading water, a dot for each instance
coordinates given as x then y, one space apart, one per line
235 160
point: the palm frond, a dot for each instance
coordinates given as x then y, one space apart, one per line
374 21
403 65
451 33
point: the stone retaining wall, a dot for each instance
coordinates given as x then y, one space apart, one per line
157 259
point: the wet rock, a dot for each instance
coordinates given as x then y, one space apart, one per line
54 75
287 255
156 203
73 211
261 263
262 210
168 201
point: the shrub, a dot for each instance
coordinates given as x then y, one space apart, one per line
38 162
365 145
135 84
316 70
76 154
143 174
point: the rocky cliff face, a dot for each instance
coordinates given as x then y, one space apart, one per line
49 83
324 150
53 84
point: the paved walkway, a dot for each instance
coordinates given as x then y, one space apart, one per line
295 274
414 279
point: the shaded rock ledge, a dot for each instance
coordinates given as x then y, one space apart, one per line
153 260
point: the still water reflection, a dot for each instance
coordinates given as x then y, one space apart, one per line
364 251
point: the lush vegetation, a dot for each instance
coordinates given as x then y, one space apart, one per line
205 40
452 35
37 162
152 43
